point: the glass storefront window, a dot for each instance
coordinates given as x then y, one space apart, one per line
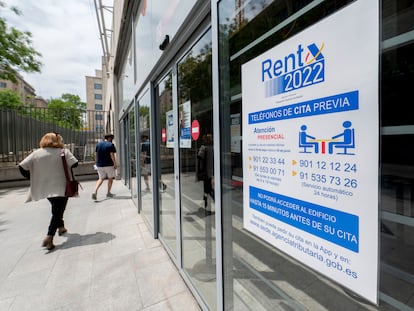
156 20
195 108
133 156
397 17
257 275
146 163
167 199
397 165
126 88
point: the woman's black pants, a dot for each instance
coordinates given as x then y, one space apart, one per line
58 208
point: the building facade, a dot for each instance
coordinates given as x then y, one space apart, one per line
94 91
277 167
26 92
94 101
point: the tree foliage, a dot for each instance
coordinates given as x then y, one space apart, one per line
16 51
10 100
144 114
67 110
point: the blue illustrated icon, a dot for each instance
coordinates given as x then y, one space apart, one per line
304 141
311 144
346 143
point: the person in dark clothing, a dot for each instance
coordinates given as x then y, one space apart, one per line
146 160
205 169
105 162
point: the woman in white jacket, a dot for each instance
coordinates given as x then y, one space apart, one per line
45 170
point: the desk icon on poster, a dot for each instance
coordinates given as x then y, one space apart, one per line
337 144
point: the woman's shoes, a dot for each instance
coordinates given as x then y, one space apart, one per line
62 230
48 242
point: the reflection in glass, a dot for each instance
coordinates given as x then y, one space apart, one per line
397 165
257 276
156 20
197 206
126 85
147 210
133 156
167 210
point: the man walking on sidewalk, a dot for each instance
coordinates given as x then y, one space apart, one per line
106 164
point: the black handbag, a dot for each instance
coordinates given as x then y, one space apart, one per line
72 185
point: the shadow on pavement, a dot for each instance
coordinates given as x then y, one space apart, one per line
119 197
75 239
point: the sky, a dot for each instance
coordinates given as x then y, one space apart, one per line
66 33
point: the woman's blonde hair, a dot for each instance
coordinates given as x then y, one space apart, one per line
52 140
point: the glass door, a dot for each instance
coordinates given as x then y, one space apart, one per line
145 150
132 157
166 161
397 163
196 163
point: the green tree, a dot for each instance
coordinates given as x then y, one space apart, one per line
144 112
10 100
67 111
16 51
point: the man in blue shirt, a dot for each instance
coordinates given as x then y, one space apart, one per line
106 164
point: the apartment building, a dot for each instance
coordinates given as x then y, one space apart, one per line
26 92
94 101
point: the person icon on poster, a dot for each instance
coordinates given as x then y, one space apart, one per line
347 142
304 140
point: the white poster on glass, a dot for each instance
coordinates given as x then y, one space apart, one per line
310 147
235 133
170 129
185 124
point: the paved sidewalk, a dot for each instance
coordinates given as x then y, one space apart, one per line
108 260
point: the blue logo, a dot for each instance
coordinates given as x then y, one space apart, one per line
294 71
